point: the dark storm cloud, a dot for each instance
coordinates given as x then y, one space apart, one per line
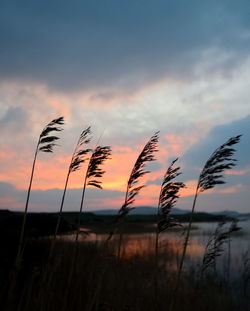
79 43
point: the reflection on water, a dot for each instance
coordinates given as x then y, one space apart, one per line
171 244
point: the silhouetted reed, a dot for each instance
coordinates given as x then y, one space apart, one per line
210 176
168 197
86 276
169 194
93 175
46 143
214 247
147 155
79 156
233 228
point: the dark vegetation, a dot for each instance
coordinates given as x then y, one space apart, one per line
43 224
87 276
41 271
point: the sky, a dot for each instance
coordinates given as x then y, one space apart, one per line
127 69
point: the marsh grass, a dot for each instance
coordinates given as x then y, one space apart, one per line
210 176
79 156
169 193
100 275
132 189
93 175
100 282
46 143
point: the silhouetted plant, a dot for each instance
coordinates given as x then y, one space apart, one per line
93 175
211 175
168 197
78 157
169 194
46 143
233 228
147 155
214 247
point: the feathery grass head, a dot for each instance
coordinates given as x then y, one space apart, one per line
218 162
168 197
214 247
47 141
79 155
98 157
147 155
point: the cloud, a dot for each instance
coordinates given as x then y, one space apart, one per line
234 194
232 189
49 200
239 172
14 120
71 45
210 202
200 152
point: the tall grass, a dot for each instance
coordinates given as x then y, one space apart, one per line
46 143
79 156
93 175
210 176
132 190
82 276
169 194
127 286
215 247
233 228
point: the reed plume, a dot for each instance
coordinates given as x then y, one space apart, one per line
168 197
46 143
79 156
146 155
210 176
93 175
214 247
233 228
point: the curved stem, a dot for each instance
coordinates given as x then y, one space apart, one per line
65 189
20 245
157 250
121 233
81 206
184 249
61 207
187 237
157 231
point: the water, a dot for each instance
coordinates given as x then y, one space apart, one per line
171 245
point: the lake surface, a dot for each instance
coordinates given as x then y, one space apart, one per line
171 245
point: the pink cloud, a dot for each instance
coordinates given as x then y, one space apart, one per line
239 172
231 189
